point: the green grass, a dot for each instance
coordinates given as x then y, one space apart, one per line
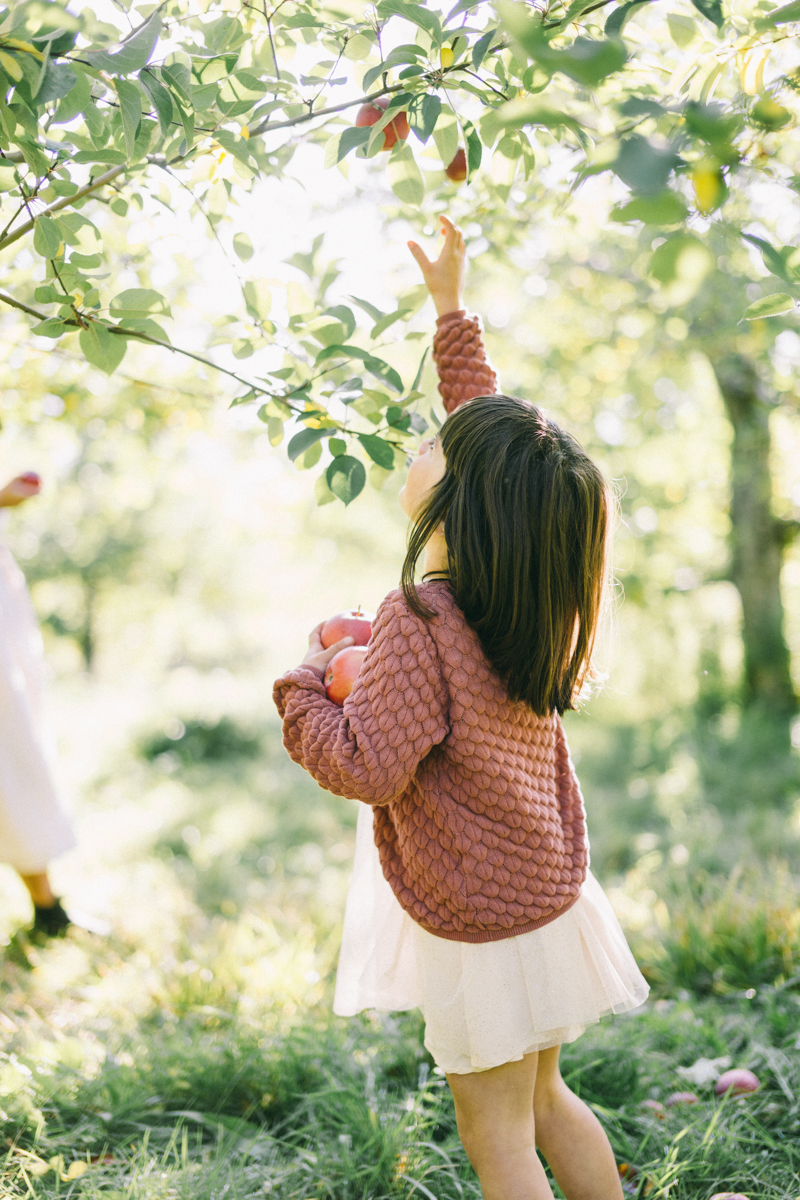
175 1085
192 1053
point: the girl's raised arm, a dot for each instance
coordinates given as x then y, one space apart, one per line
458 350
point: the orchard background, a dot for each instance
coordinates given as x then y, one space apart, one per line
214 351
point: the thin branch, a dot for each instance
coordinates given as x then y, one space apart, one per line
65 202
152 341
266 127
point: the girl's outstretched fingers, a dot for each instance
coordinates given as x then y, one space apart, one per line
444 276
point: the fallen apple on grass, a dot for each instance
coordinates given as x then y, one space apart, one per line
739 1081
729 1196
656 1106
341 672
370 114
681 1098
351 623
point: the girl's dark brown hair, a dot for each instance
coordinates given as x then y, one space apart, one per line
526 519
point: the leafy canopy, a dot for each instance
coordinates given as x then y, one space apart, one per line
685 105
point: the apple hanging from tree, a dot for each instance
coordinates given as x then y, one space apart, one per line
351 623
30 478
341 672
370 114
457 169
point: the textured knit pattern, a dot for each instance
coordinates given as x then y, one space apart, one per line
458 351
479 819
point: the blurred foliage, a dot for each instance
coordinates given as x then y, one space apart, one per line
193 741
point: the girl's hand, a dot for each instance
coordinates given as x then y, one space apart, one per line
317 655
445 276
20 489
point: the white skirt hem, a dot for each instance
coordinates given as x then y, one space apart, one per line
488 1003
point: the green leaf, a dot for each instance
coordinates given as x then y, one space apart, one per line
404 175
445 138
243 246
712 124
666 208
619 17
52 328
368 308
375 366
257 298
130 103
177 77
783 261
101 348
779 16
345 315
769 306
144 325
47 237
414 13
644 167
474 148
322 493
683 261
587 60
482 47
342 143
346 477
140 302
527 110
378 450
423 113
159 98
110 157
302 440
57 81
130 55
712 9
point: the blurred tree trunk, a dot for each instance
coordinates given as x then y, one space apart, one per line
757 538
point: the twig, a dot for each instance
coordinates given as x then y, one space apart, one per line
65 202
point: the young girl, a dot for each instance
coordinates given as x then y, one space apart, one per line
471 896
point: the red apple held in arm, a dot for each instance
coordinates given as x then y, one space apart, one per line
341 672
739 1081
370 114
457 169
351 623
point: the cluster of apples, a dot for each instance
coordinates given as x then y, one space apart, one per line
397 130
341 672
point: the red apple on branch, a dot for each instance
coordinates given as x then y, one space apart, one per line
341 672
351 623
370 114
457 169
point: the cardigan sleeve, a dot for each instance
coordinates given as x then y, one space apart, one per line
396 713
460 357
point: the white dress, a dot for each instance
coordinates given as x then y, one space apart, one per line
489 1003
34 826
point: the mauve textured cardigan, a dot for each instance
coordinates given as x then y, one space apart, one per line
478 815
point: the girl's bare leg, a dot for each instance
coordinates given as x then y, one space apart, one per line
39 889
571 1138
494 1111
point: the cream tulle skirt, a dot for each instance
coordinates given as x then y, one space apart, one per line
34 825
486 1004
